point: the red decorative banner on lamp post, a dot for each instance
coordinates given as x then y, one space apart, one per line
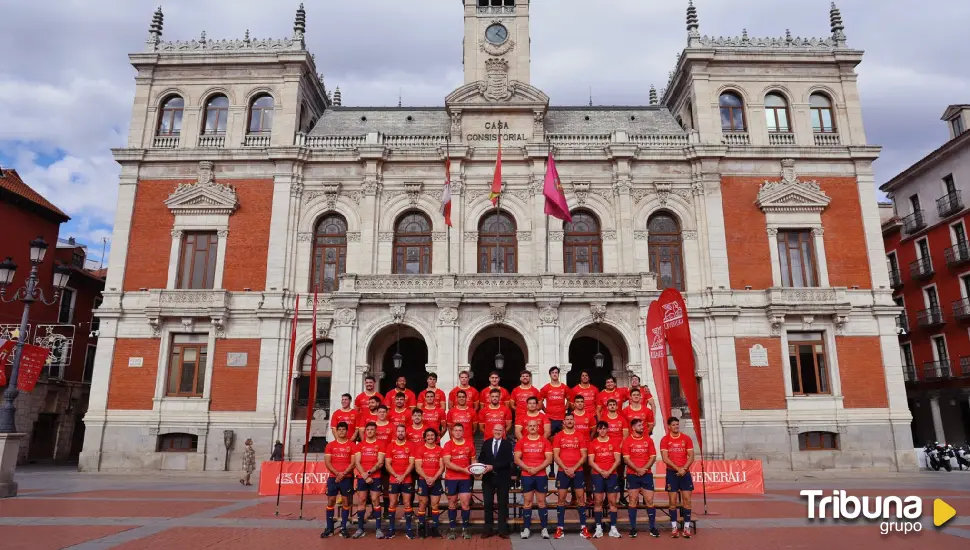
6 351
32 362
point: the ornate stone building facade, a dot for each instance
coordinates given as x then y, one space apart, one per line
245 183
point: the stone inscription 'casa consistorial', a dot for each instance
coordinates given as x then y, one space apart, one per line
493 130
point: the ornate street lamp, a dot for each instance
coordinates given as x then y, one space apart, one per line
499 358
598 360
28 294
398 358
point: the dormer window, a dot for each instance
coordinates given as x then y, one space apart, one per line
956 124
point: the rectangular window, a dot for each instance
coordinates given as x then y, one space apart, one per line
818 441
923 248
939 349
959 234
957 125
932 298
949 185
177 443
89 363
914 203
809 365
796 252
65 313
186 366
907 351
197 263
893 263
96 321
965 286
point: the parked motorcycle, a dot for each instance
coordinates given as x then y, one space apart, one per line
962 454
937 456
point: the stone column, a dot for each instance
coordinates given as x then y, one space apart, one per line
549 339
9 448
369 220
345 378
280 230
447 336
937 417
127 188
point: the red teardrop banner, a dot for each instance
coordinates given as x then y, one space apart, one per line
657 344
678 338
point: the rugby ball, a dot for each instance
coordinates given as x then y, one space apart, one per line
477 469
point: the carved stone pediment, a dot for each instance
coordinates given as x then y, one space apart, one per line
497 88
205 196
791 194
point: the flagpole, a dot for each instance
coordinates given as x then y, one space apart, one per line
546 216
311 401
448 165
286 404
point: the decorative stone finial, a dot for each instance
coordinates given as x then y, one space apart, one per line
838 29
299 24
744 35
653 95
246 38
155 30
693 23
202 40
788 38
336 97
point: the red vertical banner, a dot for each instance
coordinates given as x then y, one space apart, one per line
32 362
657 344
312 397
678 337
6 352
289 376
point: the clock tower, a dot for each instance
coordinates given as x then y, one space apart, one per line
496 30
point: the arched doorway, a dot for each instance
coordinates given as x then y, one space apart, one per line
605 340
489 343
394 339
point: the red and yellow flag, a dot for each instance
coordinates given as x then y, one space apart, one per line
497 179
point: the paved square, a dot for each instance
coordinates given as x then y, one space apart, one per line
59 508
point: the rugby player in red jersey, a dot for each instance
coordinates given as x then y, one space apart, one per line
471 394
384 427
361 403
429 467
345 414
610 392
522 393
439 396
587 390
400 414
458 456
417 427
493 384
532 413
555 396
569 448
461 413
604 458
639 454
533 454
369 459
495 413
434 415
584 420
367 415
677 451
636 410
618 431
400 464
647 397
400 386
339 459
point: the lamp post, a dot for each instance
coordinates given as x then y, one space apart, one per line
499 358
599 360
398 358
28 294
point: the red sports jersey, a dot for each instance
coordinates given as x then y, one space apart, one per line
523 420
604 453
644 391
520 396
485 396
533 450
677 448
494 417
638 450
616 427
461 455
555 398
363 397
439 397
644 414
399 456
386 433
400 418
465 417
350 417
434 417
368 451
570 446
416 435
471 396
430 458
585 423
341 455
589 394
606 395
409 399
365 417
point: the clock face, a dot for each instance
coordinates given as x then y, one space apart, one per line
496 34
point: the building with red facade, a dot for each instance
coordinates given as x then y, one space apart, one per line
51 414
929 264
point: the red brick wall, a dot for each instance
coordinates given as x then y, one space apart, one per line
761 388
133 388
845 240
861 371
20 226
150 239
234 388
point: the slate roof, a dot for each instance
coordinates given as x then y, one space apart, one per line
10 181
356 121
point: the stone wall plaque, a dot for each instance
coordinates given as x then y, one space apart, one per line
237 359
758 356
136 362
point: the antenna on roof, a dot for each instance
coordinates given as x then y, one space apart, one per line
104 244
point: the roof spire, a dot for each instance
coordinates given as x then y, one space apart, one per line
155 30
653 95
590 96
838 29
336 97
299 24
399 102
693 23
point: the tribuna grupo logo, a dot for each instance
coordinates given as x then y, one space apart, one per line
895 514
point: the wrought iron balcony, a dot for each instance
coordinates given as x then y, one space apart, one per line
909 373
921 268
936 370
895 279
902 324
961 308
931 317
914 222
949 204
957 254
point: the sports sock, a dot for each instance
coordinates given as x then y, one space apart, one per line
527 518
652 514
612 519
582 515
598 518
377 518
544 517
408 517
632 512
360 518
465 517
561 515
686 512
452 518
391 518
673 518
344 516
436 519
329 518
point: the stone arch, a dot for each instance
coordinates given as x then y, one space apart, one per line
394 208
163 95
511 205
217 90
317 208
735 88
488 341
781 90
676 205
470 330
598 206
370 332
627 333
826 90
263 90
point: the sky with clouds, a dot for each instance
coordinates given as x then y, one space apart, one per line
66 86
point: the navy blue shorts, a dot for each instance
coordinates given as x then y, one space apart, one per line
555 427
435 490
578 481
535 483
605 484
397 488
677 483
458 486
345 487
634 481
374 486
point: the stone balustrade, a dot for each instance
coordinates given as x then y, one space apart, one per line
500 284
257 140
165 142
781 138
735 138
827 139
212 141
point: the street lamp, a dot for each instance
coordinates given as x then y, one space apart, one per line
499 358
599 360
28 294
398 358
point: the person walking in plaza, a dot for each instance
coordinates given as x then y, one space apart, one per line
533 454
604 458
277 454
569 448
677 452
369 459
400 464
498 457
429 467
458 455
339 459
639 454
248 463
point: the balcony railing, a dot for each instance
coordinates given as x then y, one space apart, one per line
165 142
931 317
921 268
212 141
936 370
961 308
914 222
902 324
735 138
496 10
957 254
909 373
781 138
895 279
498 284
824 139
949 204
257 140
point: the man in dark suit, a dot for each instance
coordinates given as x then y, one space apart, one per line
497 455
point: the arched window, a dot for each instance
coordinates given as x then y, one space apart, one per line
301 397
412 244
776 111
582 244
329 253
822 119
732 112
666 250
497 244
261 115
216 116
170 121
